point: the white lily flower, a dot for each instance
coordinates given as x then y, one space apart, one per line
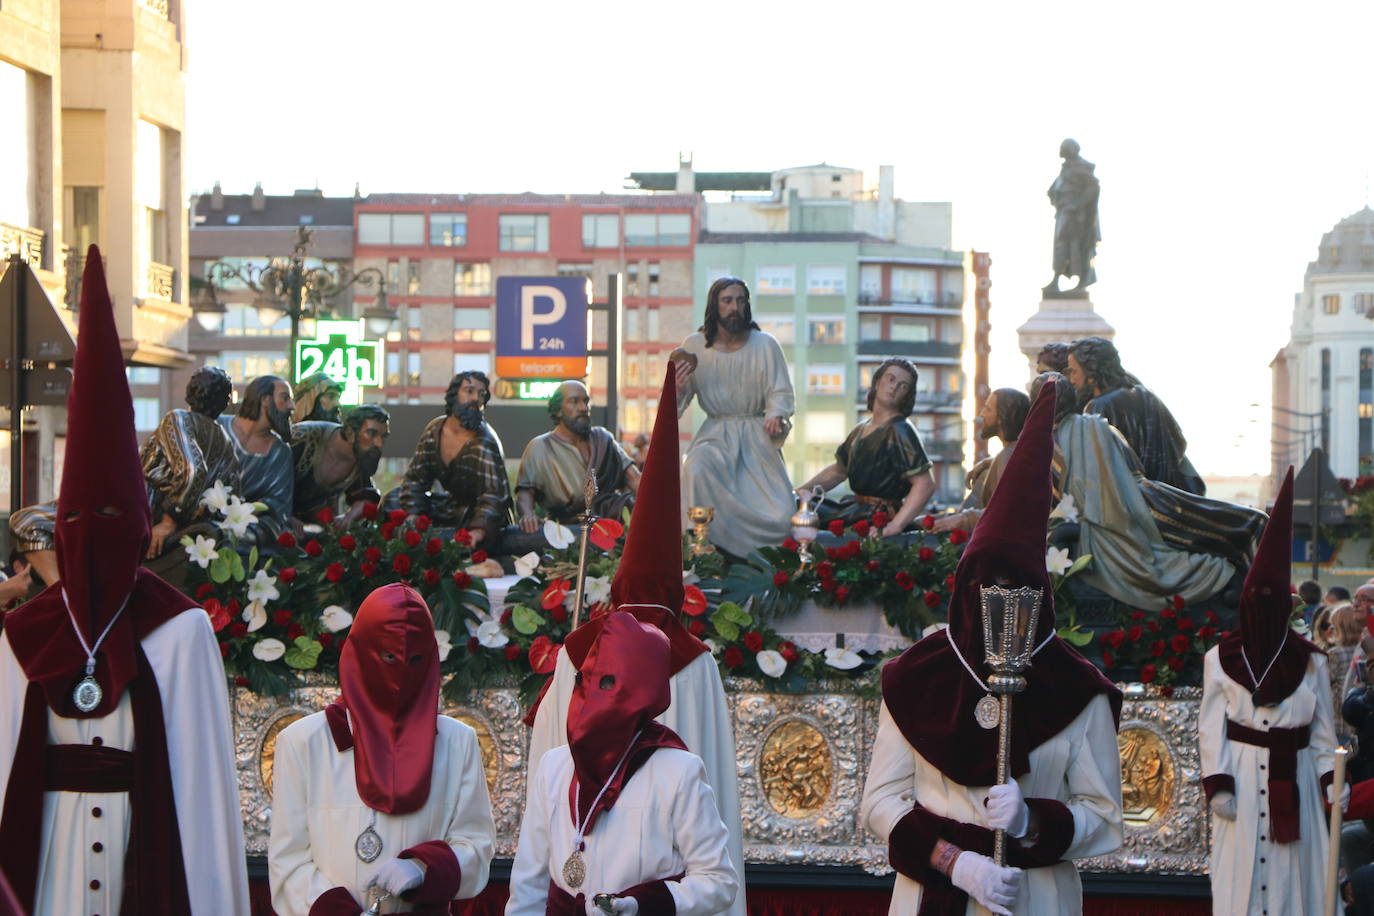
217 497
269 650
238 515
490 635
1057 560
255 615
202 552
771 663
263 587
598 589
445 647
527 565
557 535
334 618
1066 509
842 658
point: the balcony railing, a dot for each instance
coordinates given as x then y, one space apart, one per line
939 348
27 241
901 300
160 281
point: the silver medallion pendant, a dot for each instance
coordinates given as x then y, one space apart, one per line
368 846
87 695
574 870
988 712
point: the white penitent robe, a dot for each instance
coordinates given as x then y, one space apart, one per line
698 714
732 465
1250 872
185 659
1080 766
317 816
663 824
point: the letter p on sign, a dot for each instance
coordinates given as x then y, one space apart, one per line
530 316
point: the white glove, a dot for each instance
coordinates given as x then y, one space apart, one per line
627 905
1345 796
993 887
1224 805
1007 810
398 876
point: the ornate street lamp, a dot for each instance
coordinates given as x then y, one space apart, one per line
287 286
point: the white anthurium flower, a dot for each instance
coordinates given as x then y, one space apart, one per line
269 650
202 551
238 515
263 587
771 663
334 618
1066 509
598 589
490 635
255 615
842 658
445 647
557 535
217 497
1057 560
712 645
527 565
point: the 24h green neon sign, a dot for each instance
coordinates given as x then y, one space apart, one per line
340 352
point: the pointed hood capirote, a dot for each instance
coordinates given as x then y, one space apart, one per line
1008 545
1264 642
102 528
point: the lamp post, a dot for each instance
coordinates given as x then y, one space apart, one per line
288 286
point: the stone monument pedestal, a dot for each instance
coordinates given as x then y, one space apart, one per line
1060 320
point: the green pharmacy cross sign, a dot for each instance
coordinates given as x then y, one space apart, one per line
340 352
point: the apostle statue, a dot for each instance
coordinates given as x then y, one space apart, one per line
1001 417
1076 232
260 431
335 462
317 398
553 468
1105 388
457 476
734 464
882 458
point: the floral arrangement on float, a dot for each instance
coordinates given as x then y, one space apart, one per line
1164 648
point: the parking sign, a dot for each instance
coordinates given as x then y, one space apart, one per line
541 327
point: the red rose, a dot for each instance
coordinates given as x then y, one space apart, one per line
788 650
1168 613
368 569
240 681
334 572
325 516
388 531
1206 632
479 556
928 522
223 650
1179 643
1107 660
370 511
861 527
904 580
1186 624
1152 626
834 553
958 536
348 542
880 519
1175 663
1116 638
233 607
733 657
1137 615
396 516
294 632
781 578
372 553
873 566
697 628
1178 602
1212 618
286 539
400 563
513 652
949 582
325 640
825 570
313 548
932 599
1147 674
287 575
836 527
853 549
463 536
473 645
431 577
433 546
693 601
1166 691
841 593
1158 648
925 554
462 579
204 590
422 523
412 538
282 618
505 616
558 614
791 544
827 585
1135 633
238 629
753 641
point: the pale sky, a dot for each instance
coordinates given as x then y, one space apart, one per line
1227 136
